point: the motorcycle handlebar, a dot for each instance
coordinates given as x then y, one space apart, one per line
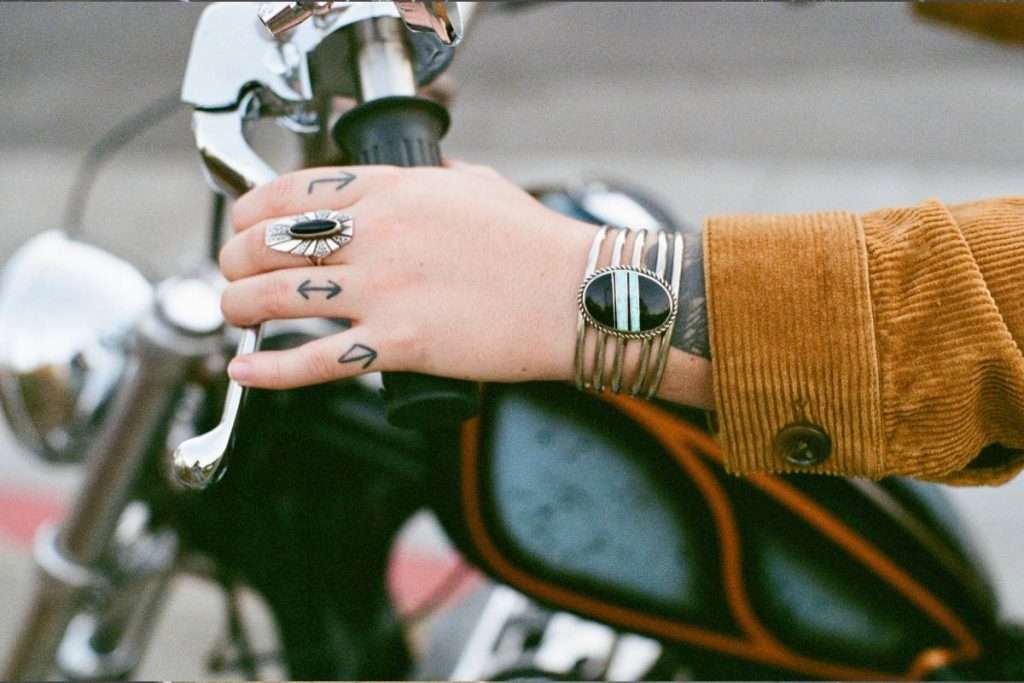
406 131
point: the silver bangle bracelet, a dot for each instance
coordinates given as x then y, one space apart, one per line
620 343
627 303
581 325
645 349
678 246
602 335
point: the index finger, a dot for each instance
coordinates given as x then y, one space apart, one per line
331 187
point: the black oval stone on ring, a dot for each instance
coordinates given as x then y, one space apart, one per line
628 301
319 227
314 235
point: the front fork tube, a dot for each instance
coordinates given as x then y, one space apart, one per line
82 564
107 638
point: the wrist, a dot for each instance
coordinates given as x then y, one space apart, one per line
566 262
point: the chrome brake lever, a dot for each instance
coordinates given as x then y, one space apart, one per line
197 461
236 71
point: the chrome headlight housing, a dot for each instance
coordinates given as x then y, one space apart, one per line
66 308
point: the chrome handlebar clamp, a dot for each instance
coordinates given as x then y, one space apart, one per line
280 17
443 19
249 61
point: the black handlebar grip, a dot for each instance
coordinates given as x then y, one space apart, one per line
405 131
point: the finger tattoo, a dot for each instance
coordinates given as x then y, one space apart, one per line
332 289
359 352
341 181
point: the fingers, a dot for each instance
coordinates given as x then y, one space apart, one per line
247 253
335 187
293 293
339 356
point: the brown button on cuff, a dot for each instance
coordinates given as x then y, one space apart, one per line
803 444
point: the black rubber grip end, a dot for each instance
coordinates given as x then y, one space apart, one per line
400 131
428 403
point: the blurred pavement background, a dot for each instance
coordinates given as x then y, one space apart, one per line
714 107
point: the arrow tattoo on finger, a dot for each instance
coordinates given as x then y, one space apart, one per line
357 353
333 289
342 180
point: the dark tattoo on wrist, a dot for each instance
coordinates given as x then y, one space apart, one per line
341 180
332 289
690 331
359 352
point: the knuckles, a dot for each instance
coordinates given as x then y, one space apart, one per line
275 293
272 298
272 200
274 373
392 278
228 306
278 199
241 249
224 261
405 345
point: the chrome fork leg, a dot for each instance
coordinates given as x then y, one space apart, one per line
108 641
70 560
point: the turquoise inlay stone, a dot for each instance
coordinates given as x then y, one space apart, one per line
634 302
652 304
621 287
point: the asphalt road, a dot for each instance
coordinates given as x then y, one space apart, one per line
714 107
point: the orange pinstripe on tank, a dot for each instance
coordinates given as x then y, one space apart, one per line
688 446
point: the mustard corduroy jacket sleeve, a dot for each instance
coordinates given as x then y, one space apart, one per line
896 333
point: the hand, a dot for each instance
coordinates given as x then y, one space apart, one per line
451 271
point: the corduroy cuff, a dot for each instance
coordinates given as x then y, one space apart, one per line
793 341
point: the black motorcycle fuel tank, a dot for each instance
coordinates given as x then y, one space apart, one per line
619 510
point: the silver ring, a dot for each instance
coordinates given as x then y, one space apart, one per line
314 234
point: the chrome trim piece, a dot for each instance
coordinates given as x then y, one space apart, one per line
55 564
443 18
895 511
281 17
383 60
190 304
